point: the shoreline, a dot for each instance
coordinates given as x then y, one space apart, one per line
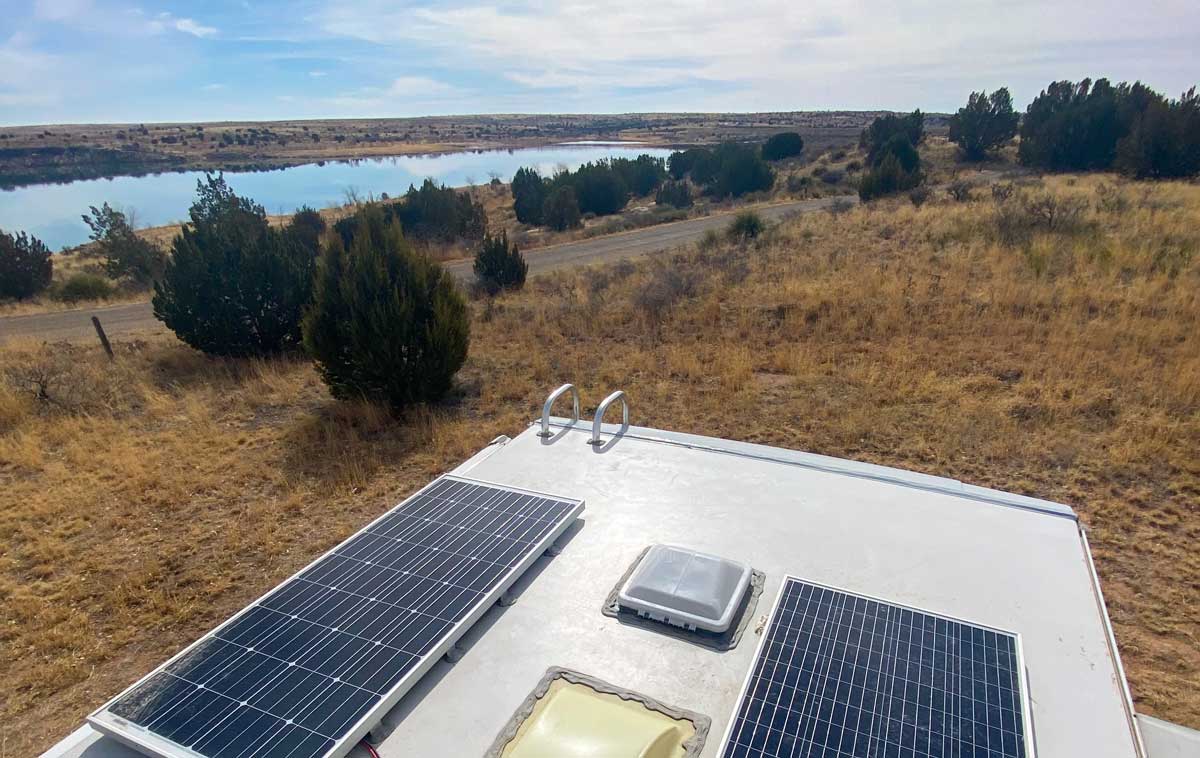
283 163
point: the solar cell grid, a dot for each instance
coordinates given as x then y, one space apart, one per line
298 670
838 674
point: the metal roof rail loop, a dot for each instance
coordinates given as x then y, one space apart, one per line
554 396
599 419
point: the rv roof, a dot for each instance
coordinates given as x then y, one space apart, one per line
995 559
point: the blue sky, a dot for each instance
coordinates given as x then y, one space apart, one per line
191 60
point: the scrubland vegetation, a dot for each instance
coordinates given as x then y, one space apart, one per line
1040 336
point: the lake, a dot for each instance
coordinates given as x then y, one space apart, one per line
52 212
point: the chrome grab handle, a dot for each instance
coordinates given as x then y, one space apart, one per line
555 395
599 419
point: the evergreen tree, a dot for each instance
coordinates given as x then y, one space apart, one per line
782 145
306 227
884 128
386 322
233 285
25 265
674 194
741 171
642 175
984 124
1164 140
126 255
499 265
529 195
561 211
599 189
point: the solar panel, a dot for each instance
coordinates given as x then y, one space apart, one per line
838 674
303 671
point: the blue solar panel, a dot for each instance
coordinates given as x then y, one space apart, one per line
840 675
299 673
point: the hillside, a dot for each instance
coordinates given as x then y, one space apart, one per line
65 152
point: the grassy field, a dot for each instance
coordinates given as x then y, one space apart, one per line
1048 344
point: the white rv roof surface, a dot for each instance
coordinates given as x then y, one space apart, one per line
1004 561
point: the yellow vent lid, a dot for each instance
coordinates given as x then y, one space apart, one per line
574 718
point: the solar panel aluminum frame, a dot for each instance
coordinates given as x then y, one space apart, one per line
147 742
1023 680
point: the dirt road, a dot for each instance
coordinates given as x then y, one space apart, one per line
139 317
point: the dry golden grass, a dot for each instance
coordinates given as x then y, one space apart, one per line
154 496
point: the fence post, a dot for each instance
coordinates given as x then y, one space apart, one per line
103 337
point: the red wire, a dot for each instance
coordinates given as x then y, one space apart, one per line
369 748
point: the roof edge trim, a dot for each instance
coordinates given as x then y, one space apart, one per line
828 464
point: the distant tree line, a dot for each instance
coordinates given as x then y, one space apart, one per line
1097 126
1070 126
598 188
730 169
430 213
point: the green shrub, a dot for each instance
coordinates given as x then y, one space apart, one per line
675 194
233 285
745 226
25 265
895 167
1090 126
919 195
126 255
561 211
985 123
431 213
731 169
883 129
681 162
386 323
599 189
1164 140
887 178
439 213
642 175
306 227
742 171
782 145
498 265
84 286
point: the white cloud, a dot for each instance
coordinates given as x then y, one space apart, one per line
317 74
214 87
188 26
776 53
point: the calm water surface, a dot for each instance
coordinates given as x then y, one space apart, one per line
52 212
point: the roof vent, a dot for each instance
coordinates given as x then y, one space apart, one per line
686 588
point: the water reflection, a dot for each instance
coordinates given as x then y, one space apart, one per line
52 212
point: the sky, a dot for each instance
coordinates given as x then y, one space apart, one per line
75 61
